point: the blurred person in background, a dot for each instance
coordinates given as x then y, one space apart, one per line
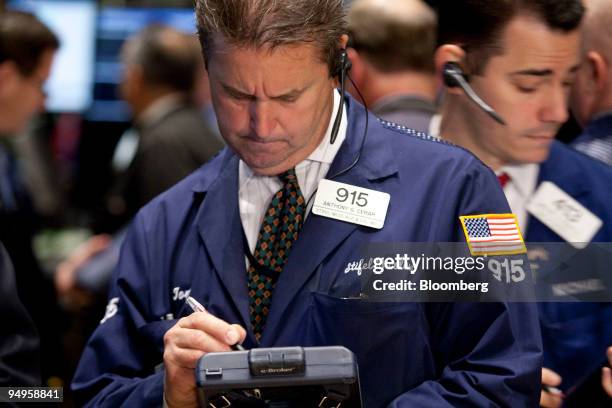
391 49
521 57
27 49
19 344
591 102
591 97
170 139
161 66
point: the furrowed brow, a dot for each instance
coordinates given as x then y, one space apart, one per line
236 93
292 94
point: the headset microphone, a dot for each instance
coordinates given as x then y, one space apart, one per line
454 77
344 67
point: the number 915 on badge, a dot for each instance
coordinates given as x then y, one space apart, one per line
353 204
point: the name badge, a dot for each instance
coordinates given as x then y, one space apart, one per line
352 204
561 213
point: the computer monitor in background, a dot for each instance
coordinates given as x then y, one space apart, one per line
114 26
70 84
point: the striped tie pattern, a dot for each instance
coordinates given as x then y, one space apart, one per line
279 230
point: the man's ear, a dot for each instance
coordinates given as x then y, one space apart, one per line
448 53
344 38
598 71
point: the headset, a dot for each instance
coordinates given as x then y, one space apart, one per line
344 65
454 77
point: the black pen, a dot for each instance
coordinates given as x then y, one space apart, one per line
197 307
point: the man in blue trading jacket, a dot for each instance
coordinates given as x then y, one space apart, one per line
271 67
521 58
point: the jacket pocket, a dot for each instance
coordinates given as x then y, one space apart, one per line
389 340
367 326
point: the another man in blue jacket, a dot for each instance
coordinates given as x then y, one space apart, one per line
521 58
272 68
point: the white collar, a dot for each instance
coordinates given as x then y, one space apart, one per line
524 177
434 125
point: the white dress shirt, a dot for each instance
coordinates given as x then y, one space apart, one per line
256 192
519 189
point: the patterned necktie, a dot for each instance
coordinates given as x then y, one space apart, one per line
279 230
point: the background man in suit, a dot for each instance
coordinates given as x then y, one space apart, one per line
27 49
391 49
169 140
161 68
591 97
521 58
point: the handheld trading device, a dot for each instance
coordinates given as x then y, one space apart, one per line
308 377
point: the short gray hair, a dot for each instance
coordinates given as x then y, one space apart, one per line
394 35
167 57
273 23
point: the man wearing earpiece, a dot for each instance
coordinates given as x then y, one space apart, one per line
508 67
242 237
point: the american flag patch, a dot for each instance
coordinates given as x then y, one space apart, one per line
493 234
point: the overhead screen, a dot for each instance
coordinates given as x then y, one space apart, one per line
87 71
69 87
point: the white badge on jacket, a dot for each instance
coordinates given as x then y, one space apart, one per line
352 204
564 215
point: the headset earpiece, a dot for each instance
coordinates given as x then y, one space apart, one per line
450 73
453 77
344 63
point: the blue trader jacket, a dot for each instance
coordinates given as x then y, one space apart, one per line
189 241
576 335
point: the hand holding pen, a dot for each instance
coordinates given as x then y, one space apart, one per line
551 396
197 307
185 343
